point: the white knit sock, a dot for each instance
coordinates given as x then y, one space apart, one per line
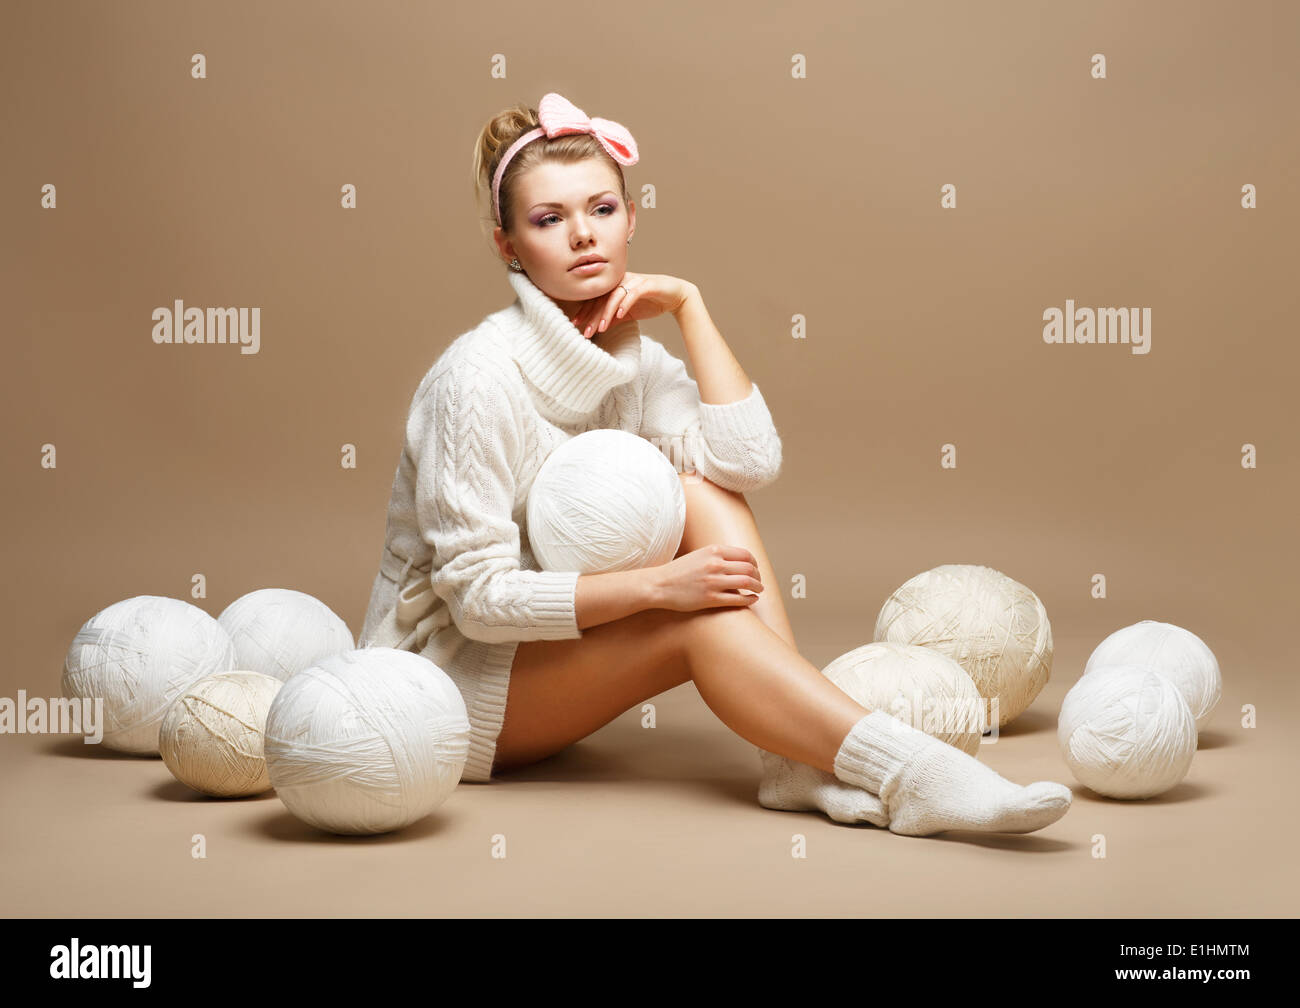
928 786
792 786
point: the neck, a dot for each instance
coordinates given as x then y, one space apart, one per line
573 373
570 308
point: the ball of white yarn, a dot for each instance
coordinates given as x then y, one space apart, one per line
280 631
211 735
606 500
917 685
367 741
993 627
139 655
1127 732
1177 654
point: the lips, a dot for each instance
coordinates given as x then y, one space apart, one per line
586 262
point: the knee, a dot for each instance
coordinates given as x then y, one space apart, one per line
699 631
675 639
699 489
663 642
674 633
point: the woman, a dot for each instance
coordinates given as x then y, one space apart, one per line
544 658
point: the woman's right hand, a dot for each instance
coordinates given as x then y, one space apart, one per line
707 578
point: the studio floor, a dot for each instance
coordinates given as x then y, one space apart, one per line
663 821
891 334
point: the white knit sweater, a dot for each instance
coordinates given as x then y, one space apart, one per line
458 582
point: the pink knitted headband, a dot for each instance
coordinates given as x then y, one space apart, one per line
559 116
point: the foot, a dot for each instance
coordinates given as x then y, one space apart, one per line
791 786
941 788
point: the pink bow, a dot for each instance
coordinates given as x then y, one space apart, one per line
558 117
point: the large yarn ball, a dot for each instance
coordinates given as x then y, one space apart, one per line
993 627
605 500
139 655
211 735
917 685
280 631
1177 654
367 741
1127 732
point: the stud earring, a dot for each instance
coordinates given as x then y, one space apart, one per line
514 265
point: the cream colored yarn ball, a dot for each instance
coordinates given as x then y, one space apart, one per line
280 631
917 685
367 741
993 627
139 655
1127 732
606 500
1177 654
211 735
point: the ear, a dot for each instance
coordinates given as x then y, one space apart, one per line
503 244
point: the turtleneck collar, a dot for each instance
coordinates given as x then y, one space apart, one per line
572 373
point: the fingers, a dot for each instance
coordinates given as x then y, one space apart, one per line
598 314
596 319
746 572
586 319
582 321
629 298
735 561
728 598
737 575
616 304
737 582
735 553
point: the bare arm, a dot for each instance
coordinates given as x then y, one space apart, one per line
706 578
712 576
600 598
718 373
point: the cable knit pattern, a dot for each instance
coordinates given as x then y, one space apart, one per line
457 578
734 445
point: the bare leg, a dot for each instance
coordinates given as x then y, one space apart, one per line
563 690
724 516
765 691
758 684
715 515
800 721
746 671
719 515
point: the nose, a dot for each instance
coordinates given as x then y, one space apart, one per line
581 233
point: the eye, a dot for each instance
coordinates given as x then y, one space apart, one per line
610 207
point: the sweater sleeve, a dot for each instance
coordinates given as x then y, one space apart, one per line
464 442
735 445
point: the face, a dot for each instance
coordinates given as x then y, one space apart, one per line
563 212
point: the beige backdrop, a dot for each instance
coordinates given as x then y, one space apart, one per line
780 197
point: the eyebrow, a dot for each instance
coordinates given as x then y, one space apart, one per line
560 206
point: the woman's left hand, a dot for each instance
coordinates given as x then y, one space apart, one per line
637 296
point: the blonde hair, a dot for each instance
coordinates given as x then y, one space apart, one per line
505 128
